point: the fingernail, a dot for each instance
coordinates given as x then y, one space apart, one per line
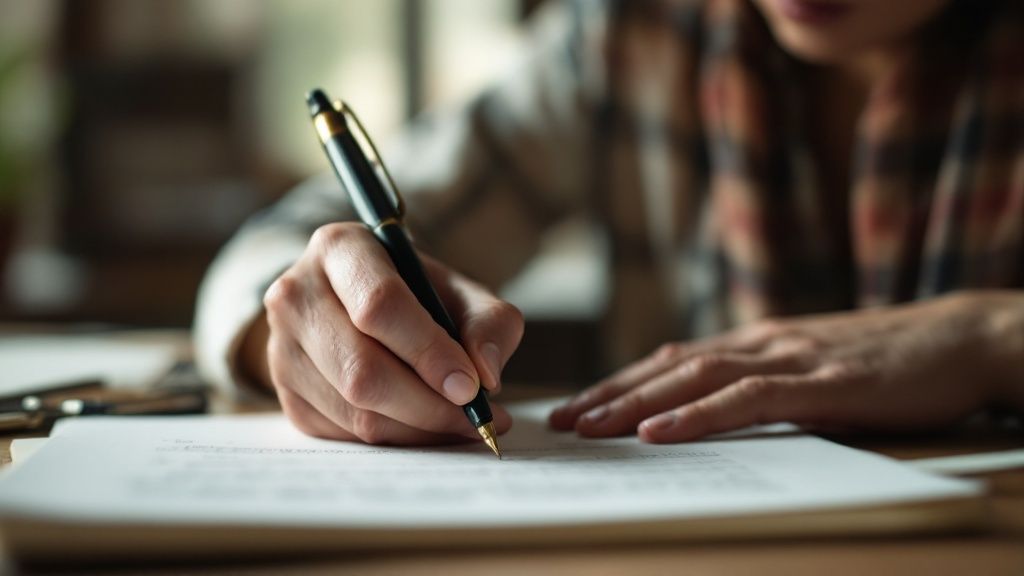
597 414
492 357
459 387
659 422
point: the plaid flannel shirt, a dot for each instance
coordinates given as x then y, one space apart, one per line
683 130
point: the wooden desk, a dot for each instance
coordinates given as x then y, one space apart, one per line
999 550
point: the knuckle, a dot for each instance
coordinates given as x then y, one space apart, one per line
800 362
499 314
768 328
372 312
360 382
844 371
666 351
512 318
368 427
329 235
801 352
283 294
508 314
805 345
759 387
703 366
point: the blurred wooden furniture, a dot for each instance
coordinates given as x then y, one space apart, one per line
157 163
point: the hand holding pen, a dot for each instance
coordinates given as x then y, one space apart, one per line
352 351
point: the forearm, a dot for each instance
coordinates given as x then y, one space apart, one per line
1005 331
230 300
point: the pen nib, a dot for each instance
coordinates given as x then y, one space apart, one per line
490 438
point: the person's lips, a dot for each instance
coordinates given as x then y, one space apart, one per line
813 11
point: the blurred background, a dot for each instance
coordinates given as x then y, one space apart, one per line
136 135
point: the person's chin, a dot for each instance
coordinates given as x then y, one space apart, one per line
811 30
814 48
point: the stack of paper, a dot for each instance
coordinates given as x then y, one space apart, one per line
247 484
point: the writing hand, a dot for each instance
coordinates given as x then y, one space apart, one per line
352 354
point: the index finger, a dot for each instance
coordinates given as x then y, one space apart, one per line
750 401
381 306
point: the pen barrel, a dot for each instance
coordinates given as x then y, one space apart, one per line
399 247
360 178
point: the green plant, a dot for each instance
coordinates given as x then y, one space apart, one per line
12 161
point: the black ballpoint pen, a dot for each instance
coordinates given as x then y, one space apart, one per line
380 207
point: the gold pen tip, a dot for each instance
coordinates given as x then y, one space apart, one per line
490 438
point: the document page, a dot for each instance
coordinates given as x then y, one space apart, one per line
259 470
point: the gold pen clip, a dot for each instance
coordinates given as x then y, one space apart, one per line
363 139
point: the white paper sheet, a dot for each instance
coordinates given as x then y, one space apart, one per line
33 364
260 470
967 464
23 448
